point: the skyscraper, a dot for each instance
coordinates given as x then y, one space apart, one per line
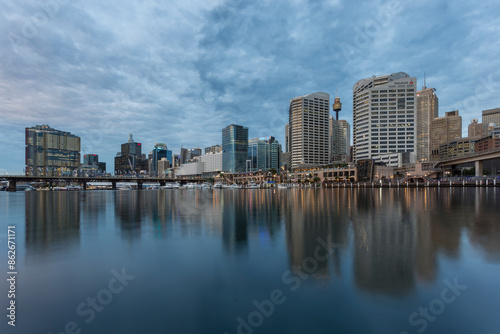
51 152
129 159
287 138
444 130
491 116
475 129
427 110
340 140
263 154
234 148
384 118
308 130
160 151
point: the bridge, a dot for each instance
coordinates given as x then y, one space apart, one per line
14 179
476 158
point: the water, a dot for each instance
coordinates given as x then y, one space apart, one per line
254 261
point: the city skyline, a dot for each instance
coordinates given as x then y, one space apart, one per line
179 74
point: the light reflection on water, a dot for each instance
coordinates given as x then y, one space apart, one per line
201 257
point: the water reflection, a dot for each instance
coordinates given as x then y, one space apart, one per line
52 222
388 239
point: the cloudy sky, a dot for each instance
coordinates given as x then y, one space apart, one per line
179 71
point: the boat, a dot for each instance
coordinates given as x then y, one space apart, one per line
124 188
173 185
25 187
74 187
218 185
253 185
282 186
233 186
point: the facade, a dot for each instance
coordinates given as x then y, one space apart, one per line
457 148
287 138
212 162
129 159
90 159
487 143
188 154
234 148
164 167
308 130
159 152
263 154
384 116
51 152
213 149
91 165
444 130
491 116
207 165
346 173
427 110
475 129
340 140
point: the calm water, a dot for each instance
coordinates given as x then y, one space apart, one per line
254 261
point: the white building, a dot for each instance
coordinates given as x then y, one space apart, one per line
308 130
208 163
384 121
212 161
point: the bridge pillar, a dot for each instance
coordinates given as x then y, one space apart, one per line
478 165
139 185
84 185
12 185
113 185
162 183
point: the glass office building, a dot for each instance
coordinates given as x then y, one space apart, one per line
234 148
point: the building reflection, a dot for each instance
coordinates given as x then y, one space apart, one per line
311 216
384 228
52 222
234 222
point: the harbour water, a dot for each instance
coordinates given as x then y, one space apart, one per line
254 261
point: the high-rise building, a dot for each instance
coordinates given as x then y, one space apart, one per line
384 117
491 116
475 129
287 138
160 151
213 149
444 130
234 148
91 163
263 154
308 130
129 159
427 110
340 140
51 152
188 154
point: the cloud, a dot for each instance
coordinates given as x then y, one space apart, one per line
180 72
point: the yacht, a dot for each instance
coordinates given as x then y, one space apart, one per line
253 185
218 185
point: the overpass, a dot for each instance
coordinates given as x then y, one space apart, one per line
477 158
14 179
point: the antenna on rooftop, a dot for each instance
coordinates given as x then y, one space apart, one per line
424 82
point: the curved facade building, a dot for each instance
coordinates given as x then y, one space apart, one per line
384 122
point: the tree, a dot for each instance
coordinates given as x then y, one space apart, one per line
316 179
273 171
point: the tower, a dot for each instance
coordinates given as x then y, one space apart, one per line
337 106
384 119
308 130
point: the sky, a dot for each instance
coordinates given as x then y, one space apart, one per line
177 72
